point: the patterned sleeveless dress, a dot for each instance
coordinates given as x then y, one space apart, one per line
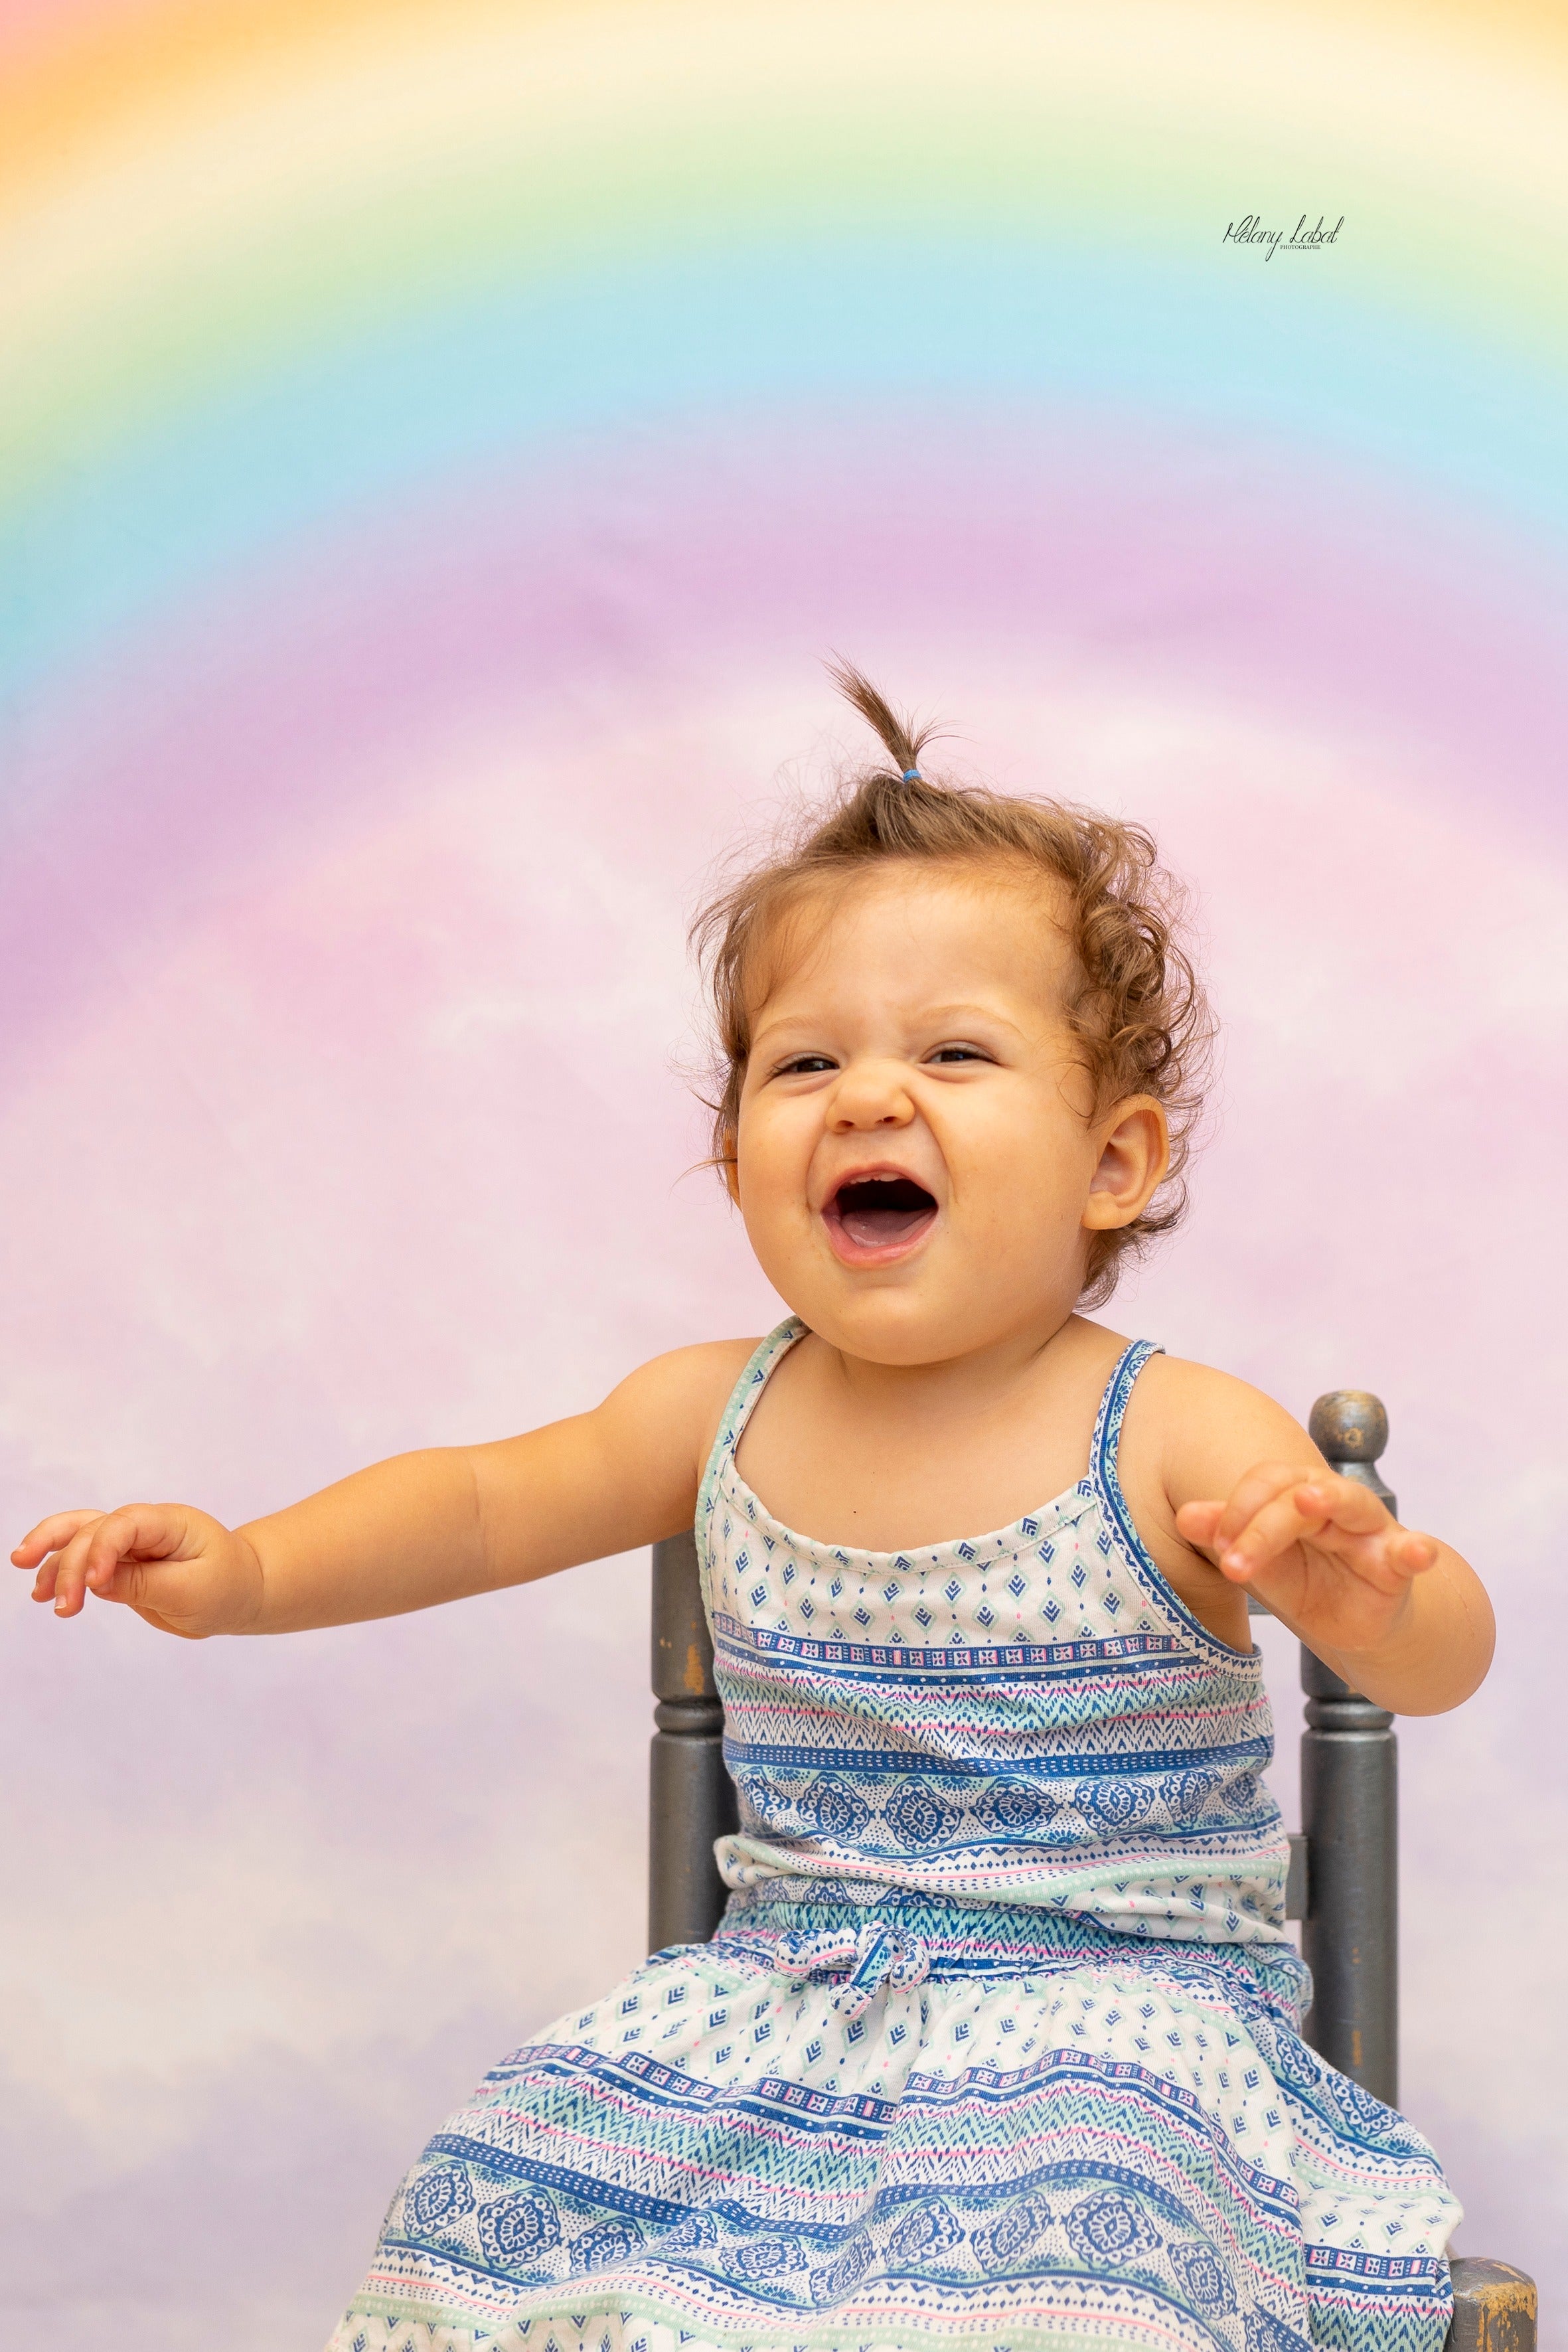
997 2045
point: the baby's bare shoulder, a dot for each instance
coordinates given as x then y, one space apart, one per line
1179 1385
1198 1429
681 1395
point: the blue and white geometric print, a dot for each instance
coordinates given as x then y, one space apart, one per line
998 2042
1030 1716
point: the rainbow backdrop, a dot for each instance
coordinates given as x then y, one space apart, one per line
438 440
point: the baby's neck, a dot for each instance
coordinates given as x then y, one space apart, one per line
975 1381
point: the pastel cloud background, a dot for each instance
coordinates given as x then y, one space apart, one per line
436 443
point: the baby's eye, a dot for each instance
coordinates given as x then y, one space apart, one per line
805 1066
958 1053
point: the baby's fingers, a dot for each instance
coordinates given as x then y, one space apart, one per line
83 1560
92 1556
1198 1524
50 1534
1410 1552
1337 1517
62 1578
1267 1483
1300 1510
61 1567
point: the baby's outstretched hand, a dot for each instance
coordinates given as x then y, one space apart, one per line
1320 1549
182 1571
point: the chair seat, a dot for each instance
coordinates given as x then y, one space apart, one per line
1494 2306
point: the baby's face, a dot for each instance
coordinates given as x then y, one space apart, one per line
918 1159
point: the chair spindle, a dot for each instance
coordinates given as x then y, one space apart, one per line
1350 1813
691 1799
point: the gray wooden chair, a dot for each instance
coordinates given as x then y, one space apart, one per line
1343 1882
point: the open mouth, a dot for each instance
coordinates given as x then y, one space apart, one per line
879 1213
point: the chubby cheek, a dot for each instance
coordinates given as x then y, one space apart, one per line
771 1164
1021 1193
788 1251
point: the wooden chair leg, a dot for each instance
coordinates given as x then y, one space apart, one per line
1494 2307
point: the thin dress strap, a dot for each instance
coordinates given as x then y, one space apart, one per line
1112 1412
762 1360
1106 1483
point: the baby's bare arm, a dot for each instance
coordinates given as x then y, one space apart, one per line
1399 1616
420 1528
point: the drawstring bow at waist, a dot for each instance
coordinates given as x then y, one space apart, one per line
876 1958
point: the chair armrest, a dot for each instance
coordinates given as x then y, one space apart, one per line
1494 2307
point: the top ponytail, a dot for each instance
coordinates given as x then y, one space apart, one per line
901 739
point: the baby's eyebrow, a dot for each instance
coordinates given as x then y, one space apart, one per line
932 1015
926 1017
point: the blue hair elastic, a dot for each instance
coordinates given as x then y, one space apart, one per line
912 776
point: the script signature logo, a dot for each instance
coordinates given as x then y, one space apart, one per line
1301 238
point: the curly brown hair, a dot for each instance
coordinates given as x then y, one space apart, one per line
1136 1005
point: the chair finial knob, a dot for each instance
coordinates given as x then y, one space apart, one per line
1349 1425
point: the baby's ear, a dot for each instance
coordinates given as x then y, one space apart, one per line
729 1167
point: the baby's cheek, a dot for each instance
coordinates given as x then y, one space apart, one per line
779 1225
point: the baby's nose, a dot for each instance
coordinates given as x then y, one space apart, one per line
874 1096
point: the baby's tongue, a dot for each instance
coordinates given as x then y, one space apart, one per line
879 1212
876 1228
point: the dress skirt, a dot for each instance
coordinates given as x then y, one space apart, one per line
918 2125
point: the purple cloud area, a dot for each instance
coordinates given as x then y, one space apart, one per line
344 1111
632 572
